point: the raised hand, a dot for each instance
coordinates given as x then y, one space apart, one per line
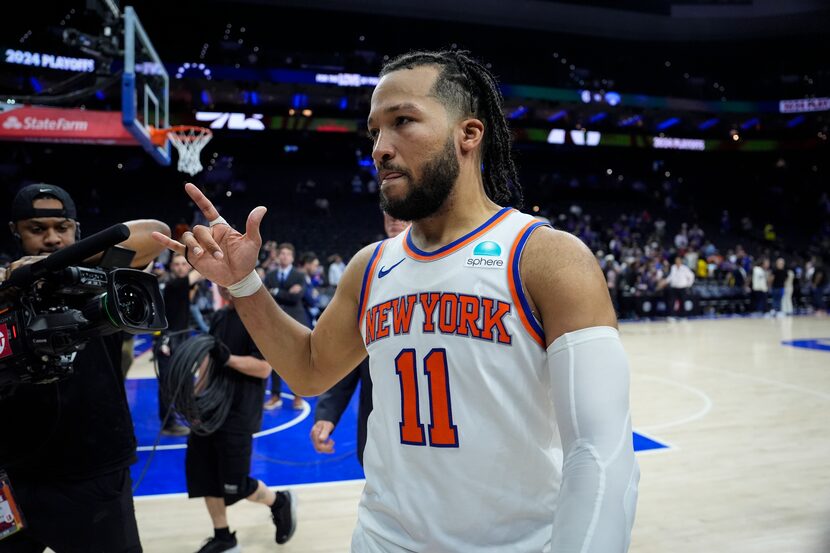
220 253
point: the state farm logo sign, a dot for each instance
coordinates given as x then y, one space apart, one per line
45 124
73 126
12 123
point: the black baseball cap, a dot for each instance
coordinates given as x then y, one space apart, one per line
22 204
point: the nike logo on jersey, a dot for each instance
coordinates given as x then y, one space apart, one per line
383 272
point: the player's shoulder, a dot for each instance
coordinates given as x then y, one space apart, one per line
559 264
557 251
565 282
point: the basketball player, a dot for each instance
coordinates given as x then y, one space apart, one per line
501 414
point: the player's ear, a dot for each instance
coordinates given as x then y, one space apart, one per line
472 133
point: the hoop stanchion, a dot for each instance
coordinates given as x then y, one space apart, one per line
188 141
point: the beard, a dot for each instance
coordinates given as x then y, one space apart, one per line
426 196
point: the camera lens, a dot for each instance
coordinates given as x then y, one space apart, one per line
134 304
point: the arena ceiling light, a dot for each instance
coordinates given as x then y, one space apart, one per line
597 97
598 117
754 122
516 113
557 116
633 120
795 121
578 137
670 122
198 67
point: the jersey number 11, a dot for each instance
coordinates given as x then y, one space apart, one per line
442 432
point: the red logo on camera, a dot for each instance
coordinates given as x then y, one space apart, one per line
5 341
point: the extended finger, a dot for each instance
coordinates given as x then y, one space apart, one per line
252 225
201 201
168 242
194 249
205 238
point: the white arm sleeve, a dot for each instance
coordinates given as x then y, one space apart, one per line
590 381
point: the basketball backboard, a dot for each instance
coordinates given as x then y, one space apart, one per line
145 88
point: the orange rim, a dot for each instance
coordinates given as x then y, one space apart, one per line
159 136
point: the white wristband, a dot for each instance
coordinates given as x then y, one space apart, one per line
248 286
218 221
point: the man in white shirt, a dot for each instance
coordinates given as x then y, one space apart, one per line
760 286
679 282
336 268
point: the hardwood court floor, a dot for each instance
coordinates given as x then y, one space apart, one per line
748 418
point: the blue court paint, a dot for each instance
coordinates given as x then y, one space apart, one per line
821 344
142 343
281 458
641 443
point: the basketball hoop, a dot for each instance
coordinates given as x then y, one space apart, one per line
188 141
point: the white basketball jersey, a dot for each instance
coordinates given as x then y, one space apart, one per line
462 452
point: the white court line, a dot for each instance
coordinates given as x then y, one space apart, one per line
707 404
293 422
771 381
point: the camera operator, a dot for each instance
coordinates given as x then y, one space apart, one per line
218 466
67 446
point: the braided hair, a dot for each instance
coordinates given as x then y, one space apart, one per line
468 88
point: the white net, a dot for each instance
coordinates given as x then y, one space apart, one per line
189 142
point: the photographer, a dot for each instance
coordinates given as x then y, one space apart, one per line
67 445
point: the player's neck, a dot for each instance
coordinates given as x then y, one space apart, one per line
466 209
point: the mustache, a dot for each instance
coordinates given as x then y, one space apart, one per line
390 167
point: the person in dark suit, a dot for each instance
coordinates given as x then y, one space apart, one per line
287 284
332 404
